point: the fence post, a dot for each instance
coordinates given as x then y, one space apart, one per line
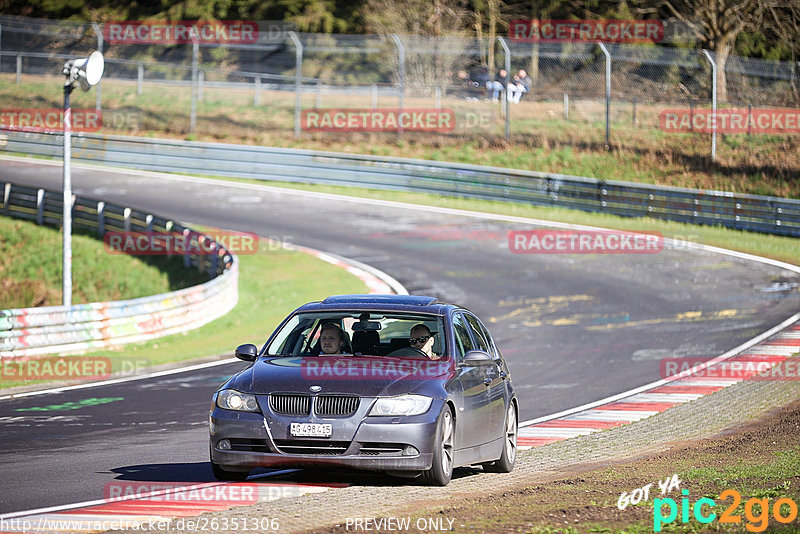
298 80
139 78
200 84
507 65
99 33
257 91
401 67
608 93
713 104
566 107
634 111
193 111
438 92
19 68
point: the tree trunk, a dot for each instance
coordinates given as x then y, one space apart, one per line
723 51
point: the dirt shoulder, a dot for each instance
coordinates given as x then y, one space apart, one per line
759 460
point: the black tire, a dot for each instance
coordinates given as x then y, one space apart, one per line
505 464
441 470
228 476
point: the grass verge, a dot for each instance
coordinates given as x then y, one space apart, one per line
540 139
271 284
30 269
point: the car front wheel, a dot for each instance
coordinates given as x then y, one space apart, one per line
506 461
444 445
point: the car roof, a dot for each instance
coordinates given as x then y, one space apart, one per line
399 303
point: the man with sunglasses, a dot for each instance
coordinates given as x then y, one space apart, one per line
421 338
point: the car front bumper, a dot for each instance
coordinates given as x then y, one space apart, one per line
377 443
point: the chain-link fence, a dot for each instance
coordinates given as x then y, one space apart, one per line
442 90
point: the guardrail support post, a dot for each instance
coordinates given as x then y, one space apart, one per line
139 78
713 104
187 247
40 206
298 80
148 221
6 198
504 94
101 218
608 93
126 219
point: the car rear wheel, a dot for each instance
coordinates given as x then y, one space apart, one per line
442 467
506 461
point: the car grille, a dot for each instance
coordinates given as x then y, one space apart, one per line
288 404
305 446
325 405
336 405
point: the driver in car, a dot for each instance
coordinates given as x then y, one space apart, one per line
332 339
421 338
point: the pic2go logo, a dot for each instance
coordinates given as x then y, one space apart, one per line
757 511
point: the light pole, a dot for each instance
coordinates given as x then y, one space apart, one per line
87 71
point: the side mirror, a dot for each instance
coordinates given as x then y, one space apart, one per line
477 358
247 352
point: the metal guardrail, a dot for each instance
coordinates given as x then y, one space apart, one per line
756 213
82 327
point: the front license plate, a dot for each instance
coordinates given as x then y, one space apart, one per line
315 430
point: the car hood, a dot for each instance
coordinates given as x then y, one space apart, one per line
363 376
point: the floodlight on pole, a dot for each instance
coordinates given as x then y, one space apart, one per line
87 72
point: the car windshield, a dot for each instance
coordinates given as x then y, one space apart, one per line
365 333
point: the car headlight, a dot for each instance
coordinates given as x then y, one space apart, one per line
230 399
402 405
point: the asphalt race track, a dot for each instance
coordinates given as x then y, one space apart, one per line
575 328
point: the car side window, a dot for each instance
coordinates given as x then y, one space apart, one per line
462 341
481 337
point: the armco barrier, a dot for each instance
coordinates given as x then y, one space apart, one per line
745 212
82 327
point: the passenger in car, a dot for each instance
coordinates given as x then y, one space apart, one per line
421 338
332 339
